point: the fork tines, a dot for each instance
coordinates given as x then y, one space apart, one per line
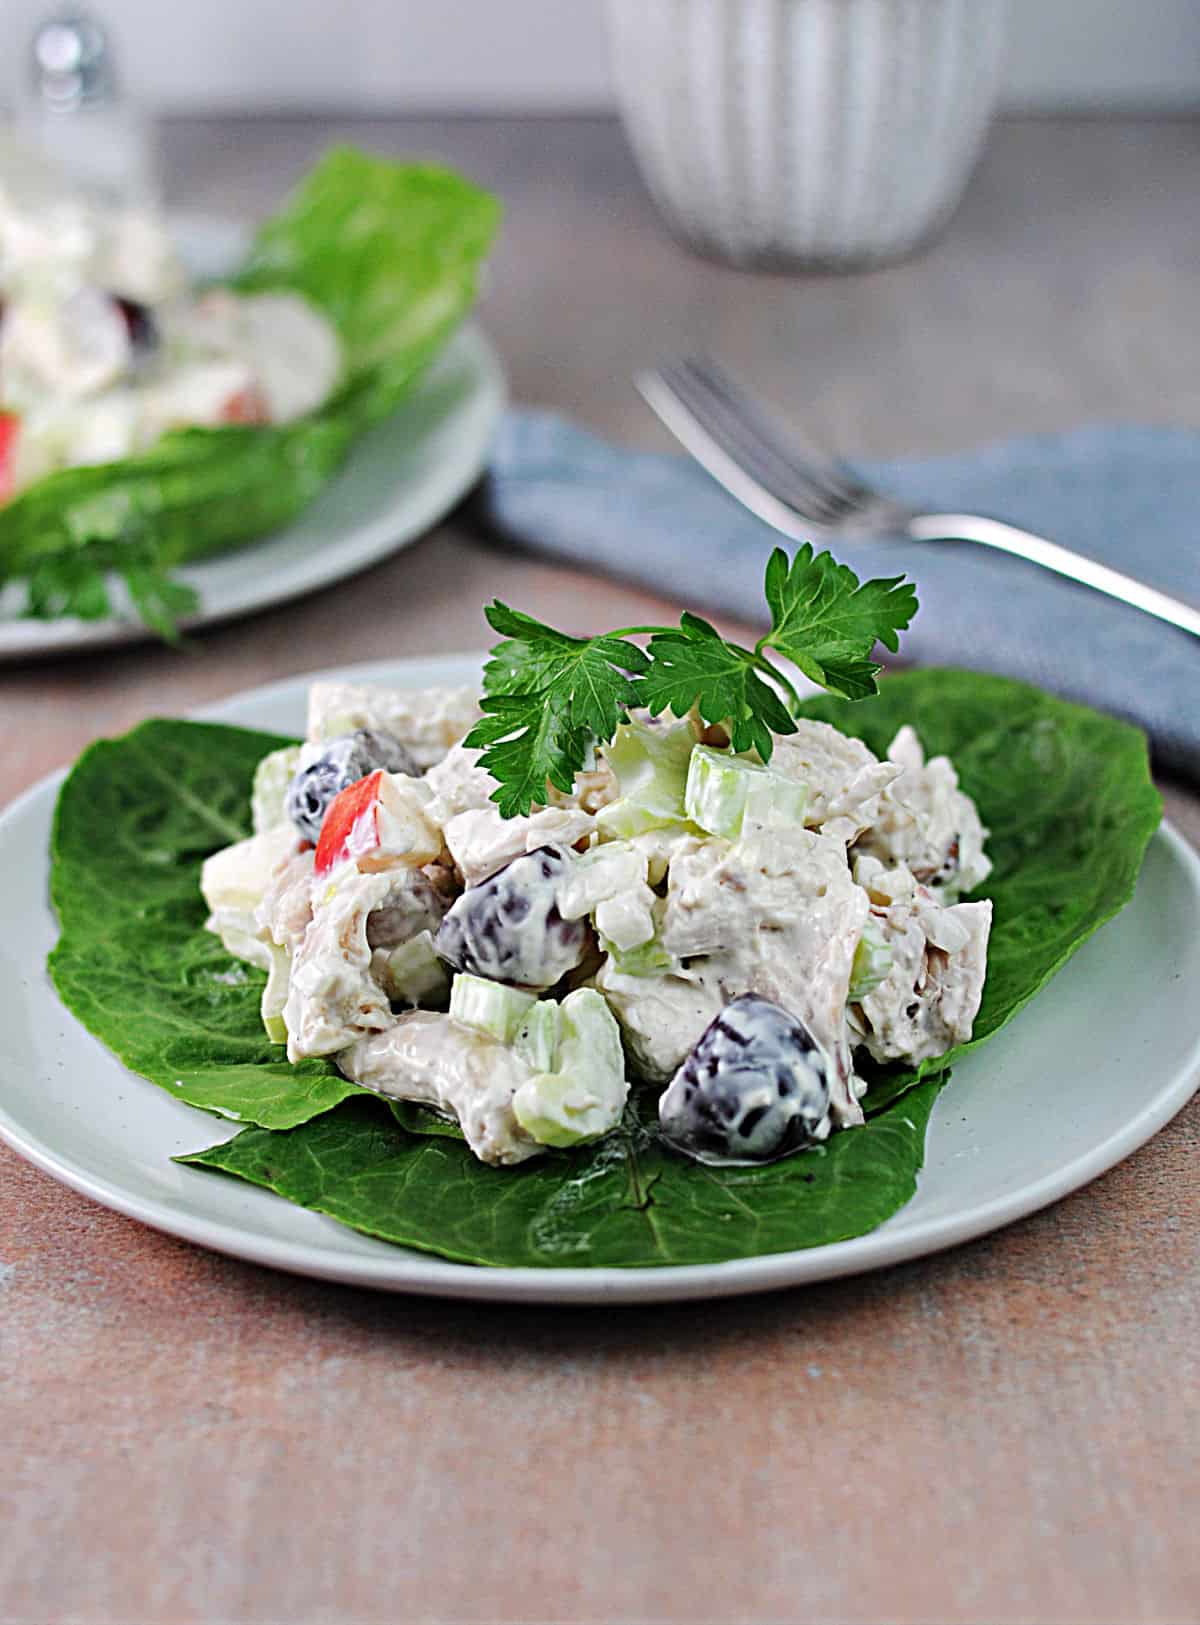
700 403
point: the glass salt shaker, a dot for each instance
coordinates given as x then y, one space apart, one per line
73 113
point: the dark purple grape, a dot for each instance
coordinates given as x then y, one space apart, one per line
342 761
508 928
140 325
411 906
754 1088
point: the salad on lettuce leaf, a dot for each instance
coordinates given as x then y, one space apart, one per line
695 1005
145 422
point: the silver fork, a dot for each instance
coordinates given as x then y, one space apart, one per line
800 492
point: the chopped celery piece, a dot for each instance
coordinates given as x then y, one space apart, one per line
726 794
596 876
585 1096
274 995
872 962
651 759
626 818
774 800
537 1041
651 765
268 799
490 1006
650 959
413 972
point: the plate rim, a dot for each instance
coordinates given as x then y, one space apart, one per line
425 1274
68 635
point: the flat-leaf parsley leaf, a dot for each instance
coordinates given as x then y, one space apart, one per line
550 698
696 666
827 623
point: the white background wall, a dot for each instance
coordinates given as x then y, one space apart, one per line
485 55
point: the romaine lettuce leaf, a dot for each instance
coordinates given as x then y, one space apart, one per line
624 1201
135 820
1071 806
391 253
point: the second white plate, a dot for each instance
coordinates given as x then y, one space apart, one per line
1100 1061
400 479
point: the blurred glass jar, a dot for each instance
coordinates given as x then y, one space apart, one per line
71 112
807 133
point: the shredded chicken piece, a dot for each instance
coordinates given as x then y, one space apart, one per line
333 995
481 841
777 914
844 779
927 822
661 1017
457 1070
286 908
930 997
458 784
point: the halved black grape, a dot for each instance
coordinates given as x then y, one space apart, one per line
509 929
754 1088
140 325
342 761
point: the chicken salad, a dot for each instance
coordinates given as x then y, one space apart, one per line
735 935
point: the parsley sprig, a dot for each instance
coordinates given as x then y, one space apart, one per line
550 698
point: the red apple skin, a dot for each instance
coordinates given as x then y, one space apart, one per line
351 823
10 426
247 405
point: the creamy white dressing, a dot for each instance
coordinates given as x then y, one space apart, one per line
481 841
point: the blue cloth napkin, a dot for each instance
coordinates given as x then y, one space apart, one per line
1127 495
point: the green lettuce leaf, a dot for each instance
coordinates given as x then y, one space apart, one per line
135 820
391 253
626 1201
1067 795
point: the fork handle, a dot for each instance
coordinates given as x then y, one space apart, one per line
966 527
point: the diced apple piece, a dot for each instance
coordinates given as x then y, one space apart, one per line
10 425
237 876
375 824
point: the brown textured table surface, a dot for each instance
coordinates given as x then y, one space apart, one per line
1006 1432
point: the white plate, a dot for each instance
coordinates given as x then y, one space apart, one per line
1083 1077
398 481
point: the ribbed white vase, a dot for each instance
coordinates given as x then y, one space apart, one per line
806 132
